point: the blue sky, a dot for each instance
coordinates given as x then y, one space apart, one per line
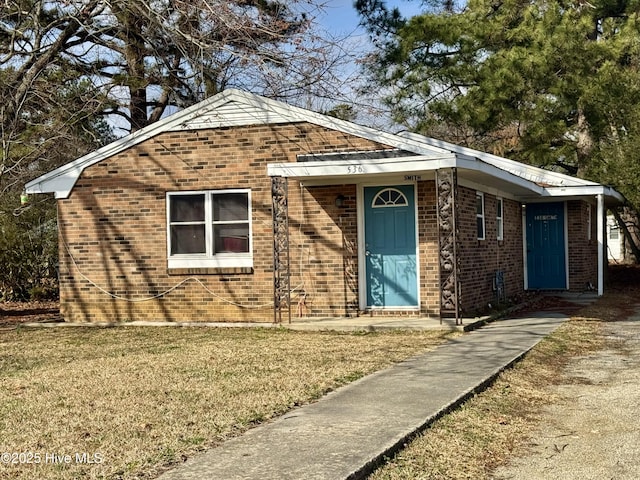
341 18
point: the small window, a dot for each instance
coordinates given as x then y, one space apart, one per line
389 197
209 229
614 233
499 219
480 214
589 222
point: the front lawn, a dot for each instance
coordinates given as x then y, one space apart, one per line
128 402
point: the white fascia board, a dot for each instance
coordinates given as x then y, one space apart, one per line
587 190
61 185
531 173
478 165
355 168
302 115
390 166
62 179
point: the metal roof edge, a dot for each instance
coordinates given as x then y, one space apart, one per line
67 175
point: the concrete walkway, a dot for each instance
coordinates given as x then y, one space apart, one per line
349 431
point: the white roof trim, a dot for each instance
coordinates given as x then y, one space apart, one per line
351 169
534 174
62 180
585 190
235 107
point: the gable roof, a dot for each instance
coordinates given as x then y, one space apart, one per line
238 108
229 108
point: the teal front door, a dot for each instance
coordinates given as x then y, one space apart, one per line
390 246
546 259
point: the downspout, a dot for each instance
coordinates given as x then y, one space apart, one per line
601 243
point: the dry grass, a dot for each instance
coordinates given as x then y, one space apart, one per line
145 398
496 424
471 441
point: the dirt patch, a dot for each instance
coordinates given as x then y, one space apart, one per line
15 313
591 431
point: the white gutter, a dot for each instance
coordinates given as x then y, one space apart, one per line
584 190
534 174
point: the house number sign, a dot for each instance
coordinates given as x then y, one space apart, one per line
355 169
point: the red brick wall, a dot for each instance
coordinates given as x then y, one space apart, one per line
428 248
114 226
323 250
583 251
480 259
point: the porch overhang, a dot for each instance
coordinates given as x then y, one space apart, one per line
358 170
611 197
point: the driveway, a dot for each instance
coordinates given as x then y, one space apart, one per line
593 432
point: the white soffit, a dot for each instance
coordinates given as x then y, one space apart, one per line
531 173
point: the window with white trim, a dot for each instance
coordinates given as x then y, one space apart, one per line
480 215
499 218
208 229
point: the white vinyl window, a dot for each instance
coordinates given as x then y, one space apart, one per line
480 214
614 232
499 219
209 229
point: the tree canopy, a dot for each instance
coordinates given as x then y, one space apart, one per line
554 83
157 53
550 82
72 71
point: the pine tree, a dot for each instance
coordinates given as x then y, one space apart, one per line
554 83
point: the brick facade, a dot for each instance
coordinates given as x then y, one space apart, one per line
323 251
583 247
114 233
113 230
428 248
481 259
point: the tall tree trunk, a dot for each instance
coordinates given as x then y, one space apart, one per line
134 51
134 54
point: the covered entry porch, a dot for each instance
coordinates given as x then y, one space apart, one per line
412 271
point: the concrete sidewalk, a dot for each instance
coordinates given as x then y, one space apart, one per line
349 431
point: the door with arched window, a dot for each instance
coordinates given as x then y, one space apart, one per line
390 246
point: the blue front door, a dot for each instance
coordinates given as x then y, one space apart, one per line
390 246
546 260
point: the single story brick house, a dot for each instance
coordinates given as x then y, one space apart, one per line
241 208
